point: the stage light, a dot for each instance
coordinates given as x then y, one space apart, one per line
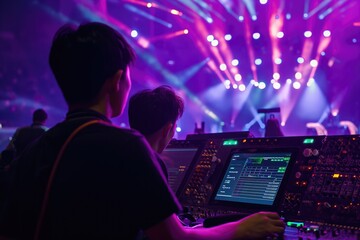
313 63
178 129
280 34
298 75
252 81
222 67
227 86
278 61
235 86
276 76
288 16
241 18
134 33
175 12
227 82
296 85
307 34
256 84
288 81
186 31
300 60
171 62
326 33
214 43
254 17
238 77
283 123
210 38
262 85
256 35
310 82
305 15
258 61
228 37
272 81
242 87
354 40
209 20
263 1
276 85
235 62
322 53
149 5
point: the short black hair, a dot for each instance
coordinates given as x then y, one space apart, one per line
150 110
83 58
39 115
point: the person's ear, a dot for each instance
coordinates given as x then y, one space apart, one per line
167 129
115 80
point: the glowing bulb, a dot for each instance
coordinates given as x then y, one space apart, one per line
256 35
296 85
214 43
276 85
235 62
313 63
186 31
300 60
298 75
228 37
242 87
258 61
262 85
210 38
280 35
238 77
307 34
326 33
134 33
276 76
222 67
278 61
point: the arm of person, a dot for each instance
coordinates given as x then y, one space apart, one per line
255 226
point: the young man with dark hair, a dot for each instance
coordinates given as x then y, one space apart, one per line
154 114
107 183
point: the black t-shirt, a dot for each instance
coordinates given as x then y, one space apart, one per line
108 184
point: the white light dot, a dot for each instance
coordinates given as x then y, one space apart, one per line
227 86
222 67
228 37
280 34
186 31
313 63
254 17
263 1
288 16
296 85
354 40
322 53
242 87
256 84
276 76
276 85
178 129
214 43
289 81
258 61
326 33
307 34
305 15
210 38
252 81
298 75
235 62
241 18
272 81
238 77
227 82
278 61
134 33
149 5
300 60
282 124
235 86
310 82
256 35
262 85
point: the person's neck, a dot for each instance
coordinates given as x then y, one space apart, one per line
100 107
154 143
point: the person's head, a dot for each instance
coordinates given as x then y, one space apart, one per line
154 114
272 128
39 116
89 61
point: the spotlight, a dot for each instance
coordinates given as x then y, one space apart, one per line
222 67
149 5
242 87
282 123
288 81
263 1
307 34
296 85
210 38
238 77
186 31
276 85
241 18
276 76
235 86
256 35
300 60
313 63
262 85
326 33
298 75
306 15
228 37
256 84
322 53
235 62
310 82
258 61
280 34
178 129
214 43
272 81
227 82
254 17
278 61
134 33
288 16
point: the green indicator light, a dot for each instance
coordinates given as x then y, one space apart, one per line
295 224
230 142
308 140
